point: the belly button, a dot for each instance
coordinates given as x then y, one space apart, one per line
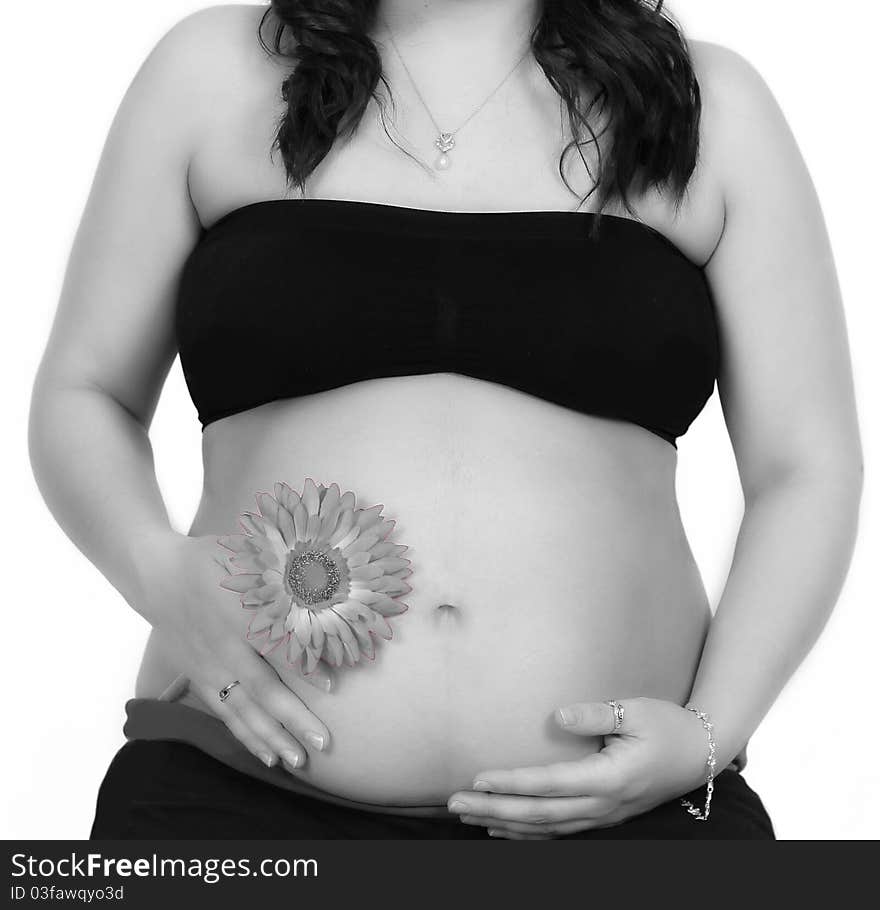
447 610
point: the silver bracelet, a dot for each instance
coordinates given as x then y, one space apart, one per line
703 815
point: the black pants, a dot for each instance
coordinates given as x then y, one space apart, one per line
164 790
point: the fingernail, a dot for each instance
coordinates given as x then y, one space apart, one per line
481 785
292 759
315 739
458 806
266 759
566 715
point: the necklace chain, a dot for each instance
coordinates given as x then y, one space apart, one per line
445 140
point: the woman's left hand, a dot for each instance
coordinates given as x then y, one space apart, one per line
659 753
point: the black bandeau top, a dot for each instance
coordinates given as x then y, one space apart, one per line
290 297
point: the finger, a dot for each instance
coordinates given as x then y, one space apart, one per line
505 830
253 743
497 834
274 654
501 827
595 775
266 689
287 747
595 718
238 728
320 678
527 809
557 829
250 722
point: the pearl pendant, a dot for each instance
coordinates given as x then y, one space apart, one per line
445 142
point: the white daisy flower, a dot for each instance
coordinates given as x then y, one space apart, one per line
319 575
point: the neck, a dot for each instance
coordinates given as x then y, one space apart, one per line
467 22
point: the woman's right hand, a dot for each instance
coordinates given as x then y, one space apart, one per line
205 627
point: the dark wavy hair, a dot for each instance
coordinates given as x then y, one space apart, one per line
619 66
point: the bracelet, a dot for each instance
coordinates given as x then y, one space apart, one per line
710 763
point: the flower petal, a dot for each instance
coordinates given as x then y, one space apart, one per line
346 523
310 496
363 542
346 635
264 596
313 527
268 507
366 572
365 643
391 585
329 523
364 595
385 527
294 649
378 625
259 623
333 651
262 527
302 625
271 644
318 634
310 660
225 562
331 499
238 543
246 520
255 562
273 534
368 517
242 582
352 653
300 520
389 607
347 539
381 548
333 505
390 564
286 496
350 611
358 559
286 527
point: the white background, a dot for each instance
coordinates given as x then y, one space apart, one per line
65 66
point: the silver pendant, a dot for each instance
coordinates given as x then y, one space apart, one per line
445 142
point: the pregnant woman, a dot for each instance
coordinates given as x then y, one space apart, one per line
448 281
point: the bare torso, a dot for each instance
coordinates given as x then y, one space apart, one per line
560 554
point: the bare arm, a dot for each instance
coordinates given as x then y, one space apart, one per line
787 394
109 352
111 343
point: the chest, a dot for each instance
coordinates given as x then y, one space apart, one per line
506 159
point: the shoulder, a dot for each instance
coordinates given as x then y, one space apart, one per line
729 83
217 42
231 28
743 127
194 68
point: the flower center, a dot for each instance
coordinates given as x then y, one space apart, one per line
312 576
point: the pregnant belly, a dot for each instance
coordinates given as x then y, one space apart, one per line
548 566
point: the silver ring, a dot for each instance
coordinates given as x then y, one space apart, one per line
224 692
617 708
